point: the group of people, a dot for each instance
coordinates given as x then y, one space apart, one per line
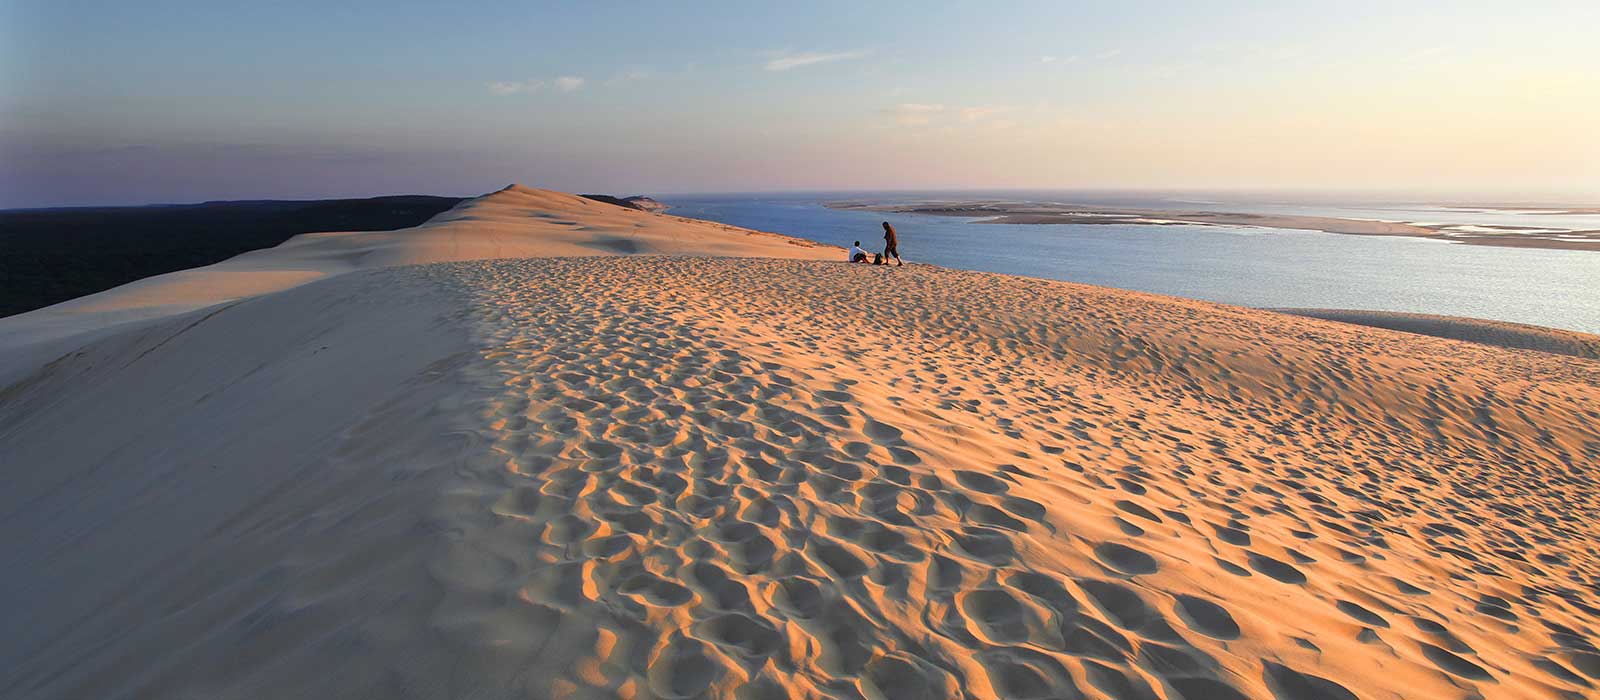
891 247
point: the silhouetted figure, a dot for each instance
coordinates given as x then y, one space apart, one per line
891 244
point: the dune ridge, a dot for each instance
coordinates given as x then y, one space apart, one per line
677 476
516 221
1503 334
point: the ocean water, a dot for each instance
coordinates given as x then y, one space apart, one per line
1259 267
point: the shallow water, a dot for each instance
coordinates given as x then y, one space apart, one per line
1236 265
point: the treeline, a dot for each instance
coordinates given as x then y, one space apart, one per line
52 255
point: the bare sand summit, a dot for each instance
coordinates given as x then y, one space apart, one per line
673 476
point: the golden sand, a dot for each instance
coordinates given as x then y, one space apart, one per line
678 477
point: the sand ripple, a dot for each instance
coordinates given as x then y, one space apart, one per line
680 478
802 480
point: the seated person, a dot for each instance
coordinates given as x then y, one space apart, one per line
857 255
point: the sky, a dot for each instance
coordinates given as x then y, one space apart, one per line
190 100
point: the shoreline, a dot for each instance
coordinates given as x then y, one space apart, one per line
1025 214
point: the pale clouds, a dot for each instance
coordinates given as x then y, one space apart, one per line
1428 54
985 117
633 75
914 113
786 61
976 114
504 88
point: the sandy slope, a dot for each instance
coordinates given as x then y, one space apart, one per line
1473 330
678 477
514 222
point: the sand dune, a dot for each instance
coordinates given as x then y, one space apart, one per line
1473 330
678 477
517 221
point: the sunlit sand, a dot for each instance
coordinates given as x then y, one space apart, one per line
546 447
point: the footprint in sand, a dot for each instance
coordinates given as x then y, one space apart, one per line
994 616
1454 664
883 433
905 678
741 634
1206 617
1361 614
1275 569
982 483
1289 684
703 491
1120 603
1125 559
682 669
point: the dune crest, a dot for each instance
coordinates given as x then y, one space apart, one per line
515 221
1473 330
677 477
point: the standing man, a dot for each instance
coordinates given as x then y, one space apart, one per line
891 244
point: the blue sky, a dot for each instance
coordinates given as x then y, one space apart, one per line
114 102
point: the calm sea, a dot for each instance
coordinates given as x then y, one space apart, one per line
1236 265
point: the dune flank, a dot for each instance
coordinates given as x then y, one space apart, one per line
1473 330
679 477
514 222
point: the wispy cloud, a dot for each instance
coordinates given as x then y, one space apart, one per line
947 118
787 60
974 114
1426 54
914 113
633 75
504 88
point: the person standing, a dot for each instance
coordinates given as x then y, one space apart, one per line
891 244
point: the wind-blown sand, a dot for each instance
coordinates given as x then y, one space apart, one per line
1473 330
674 477
514 222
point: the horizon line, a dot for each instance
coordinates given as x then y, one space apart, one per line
1413 195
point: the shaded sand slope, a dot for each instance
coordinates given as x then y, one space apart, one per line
181 461
1472 330
514 222
682 477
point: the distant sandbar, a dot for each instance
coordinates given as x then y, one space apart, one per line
996 212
